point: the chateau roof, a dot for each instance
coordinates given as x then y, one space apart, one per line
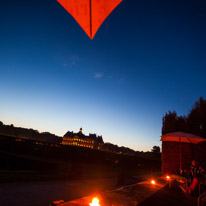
83 136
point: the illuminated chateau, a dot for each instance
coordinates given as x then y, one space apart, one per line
79 139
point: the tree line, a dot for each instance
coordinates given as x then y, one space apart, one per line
194 122
25 133
31 134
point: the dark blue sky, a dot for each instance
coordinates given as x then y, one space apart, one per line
148 57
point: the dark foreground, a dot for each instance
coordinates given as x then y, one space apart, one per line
143 194
170 197
43 193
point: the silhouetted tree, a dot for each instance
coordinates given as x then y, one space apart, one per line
11 130
169 122
196 121
181 124
114 148
156 149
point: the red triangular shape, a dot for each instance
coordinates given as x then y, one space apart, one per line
100 11
80 10
89 14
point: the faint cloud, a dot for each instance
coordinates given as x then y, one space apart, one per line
70 60
98 75
74 59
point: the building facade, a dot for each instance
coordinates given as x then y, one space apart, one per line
79 139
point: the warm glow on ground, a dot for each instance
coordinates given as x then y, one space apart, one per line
95 202
168 177
153 182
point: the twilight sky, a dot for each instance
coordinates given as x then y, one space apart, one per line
148 57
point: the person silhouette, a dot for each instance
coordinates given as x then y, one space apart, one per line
195 174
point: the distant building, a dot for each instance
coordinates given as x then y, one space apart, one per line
79 139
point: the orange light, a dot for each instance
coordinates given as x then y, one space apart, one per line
95 202
168 177
153 182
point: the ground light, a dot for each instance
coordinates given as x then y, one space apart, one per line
168 177
95 202
153 182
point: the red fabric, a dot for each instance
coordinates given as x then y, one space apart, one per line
182 137
194 184
90 14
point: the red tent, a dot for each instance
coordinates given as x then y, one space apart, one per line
180 146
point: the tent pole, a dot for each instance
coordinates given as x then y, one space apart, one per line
180 153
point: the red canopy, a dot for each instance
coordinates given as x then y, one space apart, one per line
182 137
90 14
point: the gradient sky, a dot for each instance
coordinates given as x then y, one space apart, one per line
148 57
